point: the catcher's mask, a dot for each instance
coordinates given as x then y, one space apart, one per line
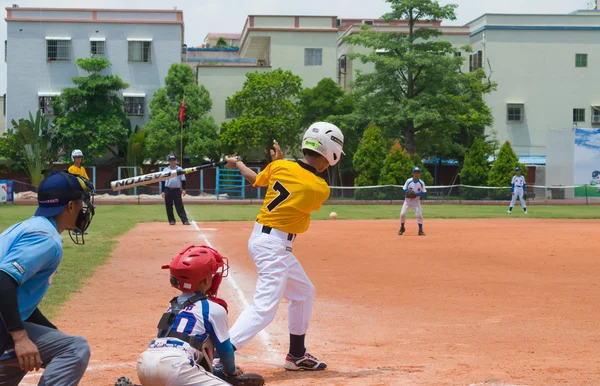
194 264
58 189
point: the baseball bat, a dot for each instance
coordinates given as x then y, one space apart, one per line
159 176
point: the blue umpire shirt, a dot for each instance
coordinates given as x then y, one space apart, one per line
30 252
174 183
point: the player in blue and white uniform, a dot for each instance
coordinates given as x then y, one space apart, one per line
518 187
417 186
196 321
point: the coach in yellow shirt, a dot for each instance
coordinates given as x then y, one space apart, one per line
294 190
76 168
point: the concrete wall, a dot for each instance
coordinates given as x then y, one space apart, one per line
537 69
222 82
287 52
560 159
29 72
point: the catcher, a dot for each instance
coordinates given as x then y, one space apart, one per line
192 328
414 189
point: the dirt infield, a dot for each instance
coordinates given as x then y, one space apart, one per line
510 301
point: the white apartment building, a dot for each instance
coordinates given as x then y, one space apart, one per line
305 45
545 67
43 45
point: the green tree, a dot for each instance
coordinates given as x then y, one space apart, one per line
417 86
425 174
368 161
90 115
162 131
324 100
10 155
221 42
34 139
267 110
397 168
502 171
475 171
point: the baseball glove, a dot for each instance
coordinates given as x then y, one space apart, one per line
410 194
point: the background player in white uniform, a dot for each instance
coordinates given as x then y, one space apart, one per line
518 187
413 200
174 357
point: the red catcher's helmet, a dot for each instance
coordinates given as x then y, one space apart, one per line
194 264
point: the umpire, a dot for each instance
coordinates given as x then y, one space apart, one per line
30 253
173 190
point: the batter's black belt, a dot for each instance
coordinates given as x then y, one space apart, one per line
267 230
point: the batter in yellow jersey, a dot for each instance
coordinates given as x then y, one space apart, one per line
76 168
294 190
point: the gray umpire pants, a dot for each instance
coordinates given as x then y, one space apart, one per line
65 358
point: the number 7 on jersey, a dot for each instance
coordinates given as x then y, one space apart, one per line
283 195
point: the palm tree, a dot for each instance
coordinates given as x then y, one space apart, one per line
34 139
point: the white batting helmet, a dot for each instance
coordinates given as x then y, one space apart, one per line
76 153
325 139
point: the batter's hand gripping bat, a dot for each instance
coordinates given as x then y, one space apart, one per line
159 176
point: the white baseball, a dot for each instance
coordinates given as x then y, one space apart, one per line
333 216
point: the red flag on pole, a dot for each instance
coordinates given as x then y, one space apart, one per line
182 111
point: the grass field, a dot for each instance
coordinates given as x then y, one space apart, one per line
79 262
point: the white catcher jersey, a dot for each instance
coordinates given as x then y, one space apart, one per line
518 181
415 186
201 319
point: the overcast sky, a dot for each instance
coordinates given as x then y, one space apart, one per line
203 16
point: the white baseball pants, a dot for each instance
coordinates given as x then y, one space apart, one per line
171 366
414 203
279 275
518 193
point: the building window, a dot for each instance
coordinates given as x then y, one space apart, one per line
515 113
313 56
476 61
596 114
581 60
230 112
97 48
58 50
139 51
458 54
578 115
134 106
45 106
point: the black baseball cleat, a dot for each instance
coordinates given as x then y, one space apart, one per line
186 223
401 231
171 222
421 233
124 381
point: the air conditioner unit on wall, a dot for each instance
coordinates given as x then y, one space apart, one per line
596 118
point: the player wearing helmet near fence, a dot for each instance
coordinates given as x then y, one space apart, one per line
518 187
30 254
76 168
294 190
414 189
192 327
596 180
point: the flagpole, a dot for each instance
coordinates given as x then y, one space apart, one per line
181 119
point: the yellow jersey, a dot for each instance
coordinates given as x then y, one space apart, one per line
79 170
293 191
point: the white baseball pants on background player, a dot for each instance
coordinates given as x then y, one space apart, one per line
518 193
279 275
414 203
170 366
